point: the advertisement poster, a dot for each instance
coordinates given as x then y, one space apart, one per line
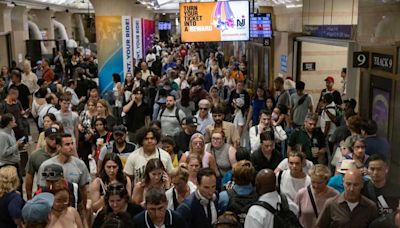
380 110
137 39
127 49
109 49
148 30
214 21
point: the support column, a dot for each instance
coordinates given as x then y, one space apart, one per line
43 19
5 15
19 33
66 19
112 45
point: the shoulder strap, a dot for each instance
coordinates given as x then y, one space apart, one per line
76 192
177 114
174 199
371 190
302 99
266 206
279 181
312 201
256 126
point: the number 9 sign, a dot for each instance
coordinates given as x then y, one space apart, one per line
361 59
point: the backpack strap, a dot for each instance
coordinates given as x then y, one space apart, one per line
312 201
265 205
284 204
279 181
371 190
176 113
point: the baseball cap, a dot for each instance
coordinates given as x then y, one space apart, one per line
53 172
119 129
38 208
239 102
300 85
351 101
51 132
330 78
346 165
191 120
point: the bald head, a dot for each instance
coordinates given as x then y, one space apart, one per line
265 181
353 183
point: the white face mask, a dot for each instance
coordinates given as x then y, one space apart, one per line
274 116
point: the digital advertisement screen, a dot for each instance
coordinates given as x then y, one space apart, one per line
164 25
214 21
260 25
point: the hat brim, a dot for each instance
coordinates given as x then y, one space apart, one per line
54 178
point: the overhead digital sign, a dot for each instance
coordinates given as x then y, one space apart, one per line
260 25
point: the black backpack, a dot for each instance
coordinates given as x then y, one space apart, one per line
176 113
283 216
240 204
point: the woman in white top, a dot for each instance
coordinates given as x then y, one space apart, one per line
228 80
28 78
182 186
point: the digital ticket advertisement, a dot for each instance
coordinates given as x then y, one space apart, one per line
214 21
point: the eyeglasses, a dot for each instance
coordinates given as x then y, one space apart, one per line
115 188
203 108
51 174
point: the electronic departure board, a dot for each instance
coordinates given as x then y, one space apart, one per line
260 25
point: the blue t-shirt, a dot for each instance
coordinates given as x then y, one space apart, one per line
11 205
257 105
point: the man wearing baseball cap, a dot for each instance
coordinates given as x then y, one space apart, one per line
38 157
330 81
182 138
119 145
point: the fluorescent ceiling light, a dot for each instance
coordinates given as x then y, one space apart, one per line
294 5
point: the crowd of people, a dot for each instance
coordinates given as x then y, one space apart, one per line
186 139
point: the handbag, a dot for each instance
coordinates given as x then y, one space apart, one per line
336 157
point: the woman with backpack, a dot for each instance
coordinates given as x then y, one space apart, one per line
242 194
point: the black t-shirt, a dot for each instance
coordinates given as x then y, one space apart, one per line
129 148
182 141
386 195
23 95
300 136
261 162
136 116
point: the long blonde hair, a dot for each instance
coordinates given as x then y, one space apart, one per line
9 180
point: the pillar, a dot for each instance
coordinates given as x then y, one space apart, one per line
5 15
111 45
43 19
19 33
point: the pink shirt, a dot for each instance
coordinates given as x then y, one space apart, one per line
306 212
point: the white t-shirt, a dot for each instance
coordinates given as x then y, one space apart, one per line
239 119
290 185
352 205
137 161
324 118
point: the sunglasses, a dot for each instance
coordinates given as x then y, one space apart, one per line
203 108
51 174
115 188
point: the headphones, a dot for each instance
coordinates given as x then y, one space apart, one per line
204 201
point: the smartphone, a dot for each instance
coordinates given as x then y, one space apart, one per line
23 139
